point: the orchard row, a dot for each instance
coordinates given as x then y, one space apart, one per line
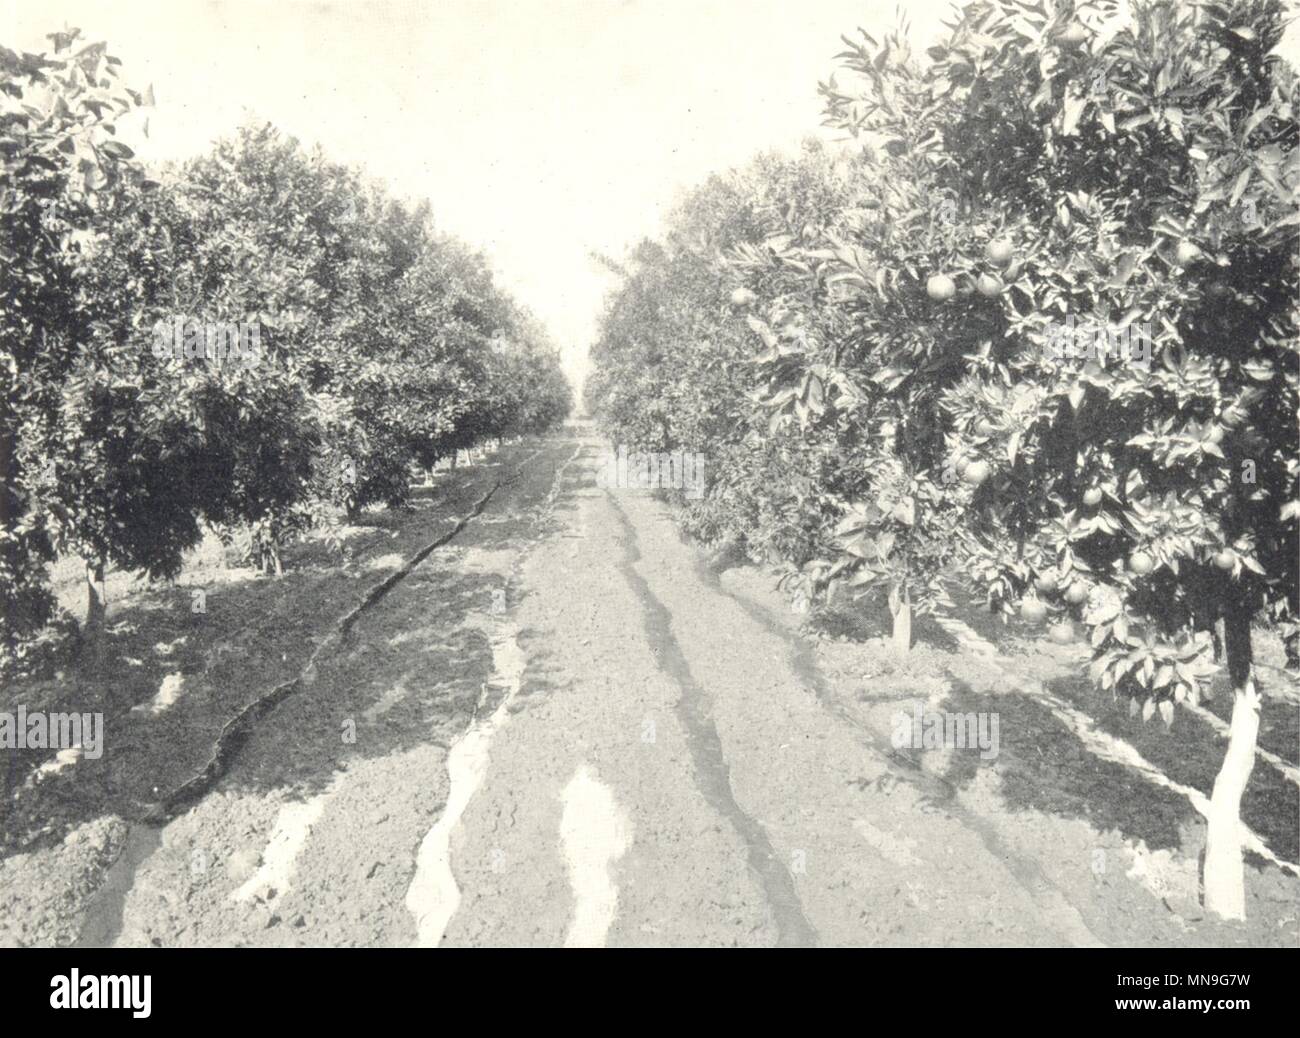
214 345
866 342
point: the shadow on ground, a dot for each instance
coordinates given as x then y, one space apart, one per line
259 632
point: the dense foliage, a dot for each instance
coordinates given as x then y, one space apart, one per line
253 340
1032 331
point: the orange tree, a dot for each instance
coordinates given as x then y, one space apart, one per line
1120 380
716 342
868 321
380 342
775 329
377 335
666 341
1040 321
669 370
67 375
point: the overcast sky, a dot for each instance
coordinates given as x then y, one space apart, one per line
540 130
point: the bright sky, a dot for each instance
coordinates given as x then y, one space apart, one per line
541 130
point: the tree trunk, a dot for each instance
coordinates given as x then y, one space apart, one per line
1224 879
902 624
96 599
92 632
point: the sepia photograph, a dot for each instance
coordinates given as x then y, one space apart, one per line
649 474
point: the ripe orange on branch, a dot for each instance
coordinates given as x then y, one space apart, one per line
940 288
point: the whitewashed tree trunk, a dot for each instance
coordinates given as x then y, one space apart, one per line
1225 891
1224 879
901 606
96 597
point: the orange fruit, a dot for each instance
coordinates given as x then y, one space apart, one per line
940 288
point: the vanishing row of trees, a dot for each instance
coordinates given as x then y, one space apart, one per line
1035 325
252 341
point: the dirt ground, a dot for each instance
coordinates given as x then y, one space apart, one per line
559 725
